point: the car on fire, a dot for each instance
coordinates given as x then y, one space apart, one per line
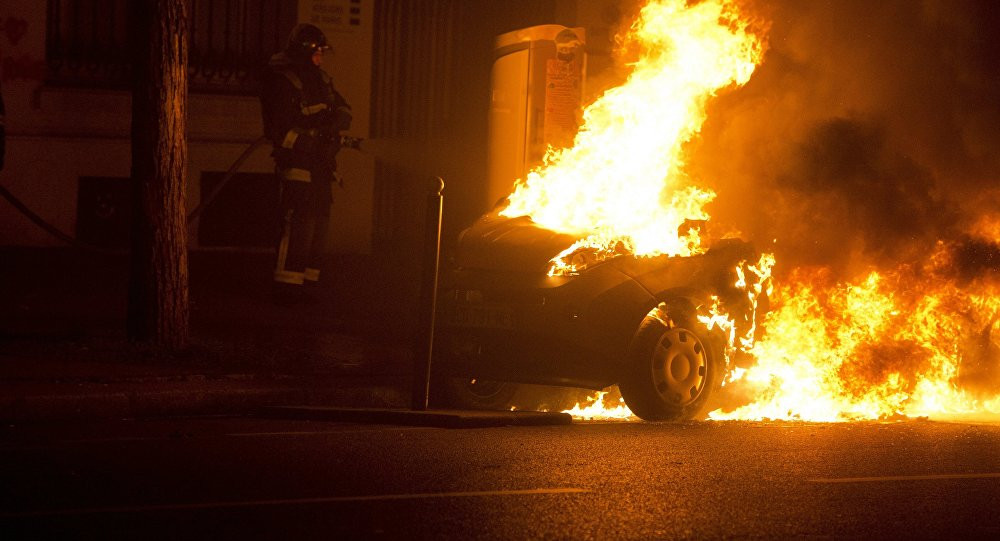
643 323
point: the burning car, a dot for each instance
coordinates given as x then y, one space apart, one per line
664 329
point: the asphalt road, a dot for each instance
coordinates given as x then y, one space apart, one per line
252 478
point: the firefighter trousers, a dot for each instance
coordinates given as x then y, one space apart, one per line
305 221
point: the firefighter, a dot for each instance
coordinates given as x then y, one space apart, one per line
303 117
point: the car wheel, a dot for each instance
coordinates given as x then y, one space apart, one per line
474 393
673 366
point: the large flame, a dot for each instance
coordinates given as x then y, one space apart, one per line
911 342
622 184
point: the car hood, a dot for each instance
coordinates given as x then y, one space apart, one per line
496 242
518 245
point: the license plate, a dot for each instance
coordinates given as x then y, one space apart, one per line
487 317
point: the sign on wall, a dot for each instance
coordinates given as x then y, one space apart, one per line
334 15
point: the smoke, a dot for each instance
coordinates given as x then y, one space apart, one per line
868 133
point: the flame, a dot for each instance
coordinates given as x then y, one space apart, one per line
621 186
598 410
911 342
741 334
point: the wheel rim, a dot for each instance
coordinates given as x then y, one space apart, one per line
484 388
680 366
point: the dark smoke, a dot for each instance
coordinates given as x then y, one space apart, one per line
973 258
859 194
869 132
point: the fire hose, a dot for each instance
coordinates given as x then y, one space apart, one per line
346 141
350 142
204 203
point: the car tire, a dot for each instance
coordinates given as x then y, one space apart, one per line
473 393
673 365
467 393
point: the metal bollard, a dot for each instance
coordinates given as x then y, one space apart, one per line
423 348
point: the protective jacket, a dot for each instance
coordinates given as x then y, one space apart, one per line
303 115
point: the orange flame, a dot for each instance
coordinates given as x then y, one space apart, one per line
909 342
621 186
598 410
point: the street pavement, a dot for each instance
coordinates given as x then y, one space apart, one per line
256 478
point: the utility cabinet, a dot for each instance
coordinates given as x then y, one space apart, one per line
536 100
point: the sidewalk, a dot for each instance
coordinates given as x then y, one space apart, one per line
63 355
48 388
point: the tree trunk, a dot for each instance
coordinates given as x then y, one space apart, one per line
158 282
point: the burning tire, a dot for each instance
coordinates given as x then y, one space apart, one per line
674 366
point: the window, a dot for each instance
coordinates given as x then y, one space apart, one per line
87 42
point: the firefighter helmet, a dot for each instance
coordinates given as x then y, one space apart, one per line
304 41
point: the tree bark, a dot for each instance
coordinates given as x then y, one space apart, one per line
158 311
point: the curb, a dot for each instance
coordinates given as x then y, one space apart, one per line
145 401
428 418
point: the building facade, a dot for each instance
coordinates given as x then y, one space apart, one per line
416 73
